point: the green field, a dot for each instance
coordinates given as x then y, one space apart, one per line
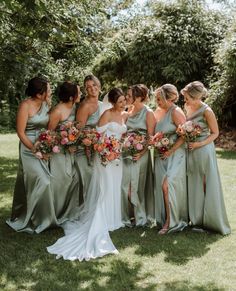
147 261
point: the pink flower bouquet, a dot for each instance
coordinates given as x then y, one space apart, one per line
69 133
46 144
133 143
108 148
189 131
161 142
87 139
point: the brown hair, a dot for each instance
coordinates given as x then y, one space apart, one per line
139 90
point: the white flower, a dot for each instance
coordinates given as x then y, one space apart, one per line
165 141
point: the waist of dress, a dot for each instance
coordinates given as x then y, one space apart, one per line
33 132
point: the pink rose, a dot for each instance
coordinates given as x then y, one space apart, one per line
64 141
64 133
56 149
127 144
139 146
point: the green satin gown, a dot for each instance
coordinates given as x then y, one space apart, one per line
33 208
174 169
83 166
64 181
206 206
138 176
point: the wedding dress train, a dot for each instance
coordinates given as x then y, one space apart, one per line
88 237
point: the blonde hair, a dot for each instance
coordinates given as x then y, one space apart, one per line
196 90
168 92
92 78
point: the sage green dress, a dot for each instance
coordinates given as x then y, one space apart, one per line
64 181
83 166
174 169
206 208
36 212
138 176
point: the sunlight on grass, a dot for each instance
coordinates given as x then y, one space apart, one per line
147 261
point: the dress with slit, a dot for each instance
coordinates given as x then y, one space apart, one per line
174 169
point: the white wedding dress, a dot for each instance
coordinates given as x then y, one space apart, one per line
88 237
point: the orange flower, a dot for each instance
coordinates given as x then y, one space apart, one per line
71 137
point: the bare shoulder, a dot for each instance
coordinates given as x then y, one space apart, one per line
209 113
25 105
56 110
178 111
125 114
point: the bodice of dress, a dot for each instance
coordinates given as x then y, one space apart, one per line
93 118
138 121
166 124
198 117
39 120
113 128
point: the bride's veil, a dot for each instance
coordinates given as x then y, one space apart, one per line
105 104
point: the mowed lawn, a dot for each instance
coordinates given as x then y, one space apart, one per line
147 261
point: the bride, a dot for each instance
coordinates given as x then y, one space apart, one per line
88 237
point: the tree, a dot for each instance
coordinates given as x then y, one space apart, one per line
175 43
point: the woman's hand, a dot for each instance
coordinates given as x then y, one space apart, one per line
166 154
136 157
194 145
72 149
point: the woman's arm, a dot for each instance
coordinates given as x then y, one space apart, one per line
150 122
21 121
54 119
82 114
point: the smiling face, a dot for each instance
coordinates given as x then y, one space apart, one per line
120 104
92 88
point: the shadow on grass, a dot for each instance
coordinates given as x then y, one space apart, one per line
178 248
8 170
185 286
25 265
227 155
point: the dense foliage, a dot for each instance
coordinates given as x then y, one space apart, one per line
58 39
174 44
222 96
174 41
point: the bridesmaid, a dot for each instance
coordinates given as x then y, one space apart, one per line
206 202
87 115
36 213
136 186
169 168
64 181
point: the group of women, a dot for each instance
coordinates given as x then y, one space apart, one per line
173 189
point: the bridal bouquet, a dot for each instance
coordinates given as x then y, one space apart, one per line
189 130
69 133
161 142
87 139
108 148
46 144
133 143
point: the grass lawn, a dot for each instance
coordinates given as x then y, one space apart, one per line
147 261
